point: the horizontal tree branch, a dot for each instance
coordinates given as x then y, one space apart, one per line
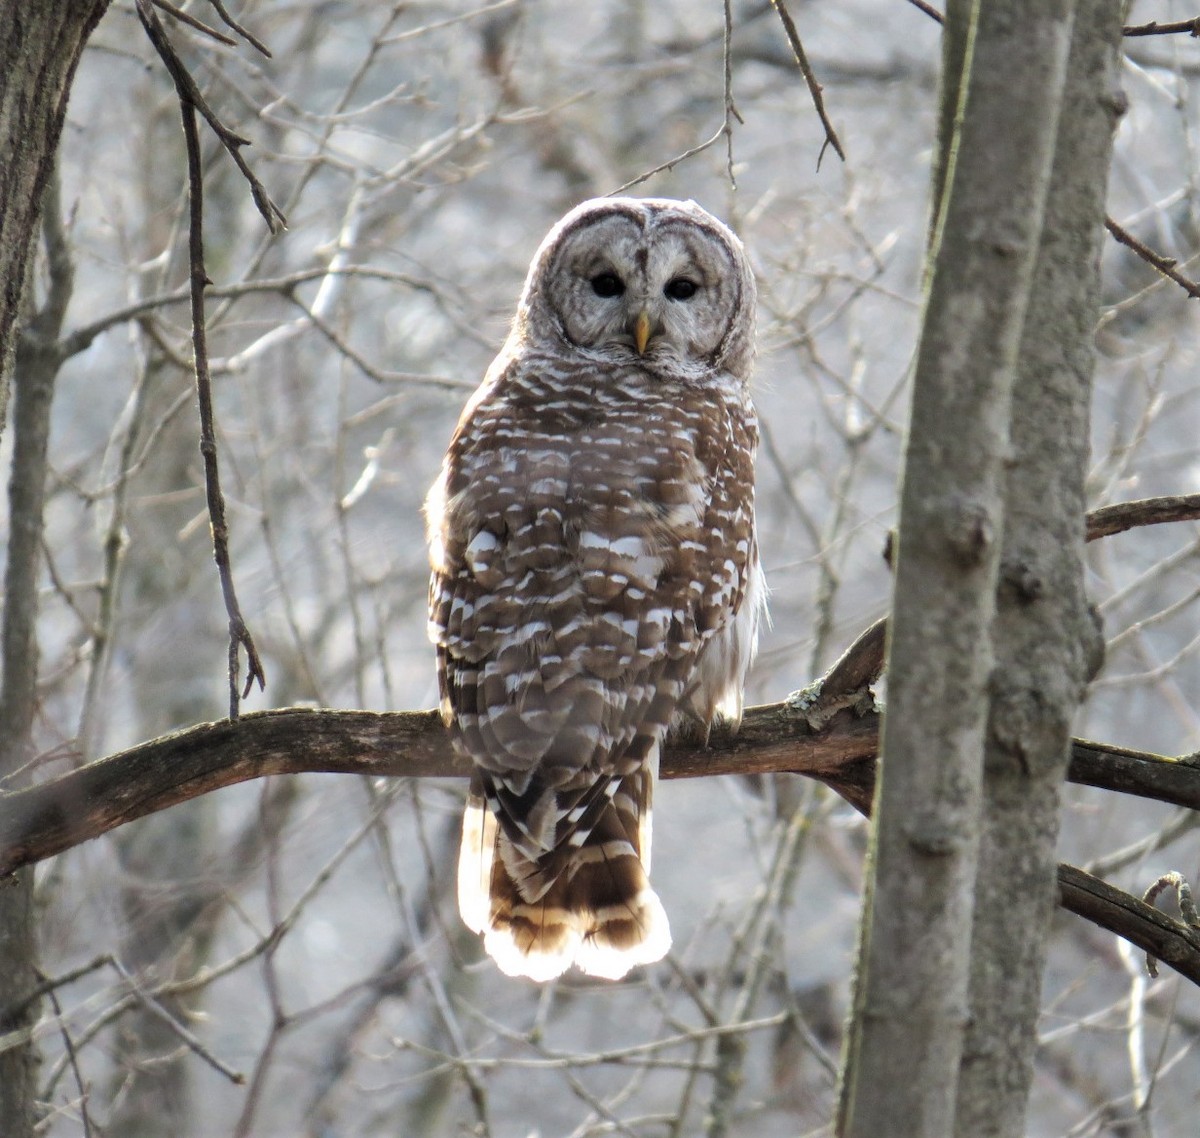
829 732
53 816
1154 28
1160 936
82 338
1122 516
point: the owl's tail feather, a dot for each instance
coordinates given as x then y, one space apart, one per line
599 913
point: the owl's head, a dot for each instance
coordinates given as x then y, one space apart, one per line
647 279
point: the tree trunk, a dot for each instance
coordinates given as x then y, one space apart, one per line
910 1009
39 51
1044 637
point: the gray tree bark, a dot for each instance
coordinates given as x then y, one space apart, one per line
910 1009
1046 643
39 50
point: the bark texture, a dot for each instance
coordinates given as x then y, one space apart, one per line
54 816
39 50
1045 640
907 1029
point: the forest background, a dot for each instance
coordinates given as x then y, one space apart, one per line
284 956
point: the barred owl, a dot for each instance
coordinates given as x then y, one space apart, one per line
595 573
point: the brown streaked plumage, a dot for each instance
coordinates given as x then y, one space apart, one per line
595 573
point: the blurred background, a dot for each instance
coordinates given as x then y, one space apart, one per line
302 932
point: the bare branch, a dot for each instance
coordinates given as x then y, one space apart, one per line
814 88
1183 896
195 24
73 1059
860 665
1168 940
172 1022
724 131
1165 265
929 10
239 634
189 93
831 734
1122 516
54 816
1154 28
230 22
82 338
49 818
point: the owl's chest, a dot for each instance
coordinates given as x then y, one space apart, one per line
580 448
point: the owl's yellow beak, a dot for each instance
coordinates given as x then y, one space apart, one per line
641 331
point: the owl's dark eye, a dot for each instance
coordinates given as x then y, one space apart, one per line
607 285
680 289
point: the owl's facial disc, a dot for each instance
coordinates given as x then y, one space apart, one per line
655 290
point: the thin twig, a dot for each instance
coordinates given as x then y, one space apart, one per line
1165 265
188 1039
190 94
82 338
814 88
47 984
1183 896
929 10
1153 28
670 164
197 25
552 1060
239 635
731 110
451 21
69 1046
83 1038
725 130
1181 822
751 946
230 22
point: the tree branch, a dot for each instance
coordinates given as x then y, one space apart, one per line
829 732
1164 265
814 88
239 634
1157 934
1154 28
189 93
1122 516
54 816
